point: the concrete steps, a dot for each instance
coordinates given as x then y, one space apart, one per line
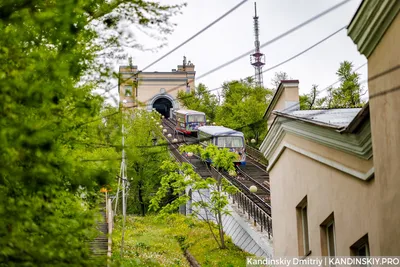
99 246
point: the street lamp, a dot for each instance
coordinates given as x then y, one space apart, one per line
253 189
165 130
190 154
253 141
174 140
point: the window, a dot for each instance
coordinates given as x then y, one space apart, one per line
302 227
330 235
128 90
328 238
196 118
361 247
230 141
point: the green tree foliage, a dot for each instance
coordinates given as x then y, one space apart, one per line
201 100
243 108
56 150
309 101
143 158
348 94
179 177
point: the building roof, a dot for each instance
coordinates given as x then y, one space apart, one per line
189 111
331 118
219 130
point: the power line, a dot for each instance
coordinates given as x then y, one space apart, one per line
278 37
385 92
263 45
197 34
289 59
188 40
388 91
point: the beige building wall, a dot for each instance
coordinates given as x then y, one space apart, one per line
385 123
286 96
353 201
375 29
146 87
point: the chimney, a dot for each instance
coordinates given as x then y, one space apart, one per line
285 99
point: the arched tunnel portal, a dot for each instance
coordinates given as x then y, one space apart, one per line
163 106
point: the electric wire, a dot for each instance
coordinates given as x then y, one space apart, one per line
285 61
188 40
299 26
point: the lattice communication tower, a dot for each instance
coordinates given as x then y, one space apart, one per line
257 59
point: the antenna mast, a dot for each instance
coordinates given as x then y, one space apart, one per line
257 59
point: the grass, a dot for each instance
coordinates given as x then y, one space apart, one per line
153 241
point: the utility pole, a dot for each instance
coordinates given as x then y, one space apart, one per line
124 180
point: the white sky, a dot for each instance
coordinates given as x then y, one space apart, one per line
234 36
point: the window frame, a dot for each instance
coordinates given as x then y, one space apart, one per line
303 232
331 223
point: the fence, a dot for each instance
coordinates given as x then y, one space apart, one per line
259 216
256 154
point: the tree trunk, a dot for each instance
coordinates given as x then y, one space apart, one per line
142 209
220 226
221 231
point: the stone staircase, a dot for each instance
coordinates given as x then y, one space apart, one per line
99 245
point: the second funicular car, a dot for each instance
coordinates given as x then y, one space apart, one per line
188 121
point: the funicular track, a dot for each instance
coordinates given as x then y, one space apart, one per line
257 204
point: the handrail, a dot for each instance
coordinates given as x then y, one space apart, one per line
257 155
253 210
243 187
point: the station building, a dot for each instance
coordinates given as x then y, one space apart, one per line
155 90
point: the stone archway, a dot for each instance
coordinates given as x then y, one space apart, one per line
163 105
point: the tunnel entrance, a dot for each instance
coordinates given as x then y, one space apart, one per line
163 106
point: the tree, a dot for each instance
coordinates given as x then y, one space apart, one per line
243 108
278 77
308 101
201 100
54 154
143 157
348 94
179 177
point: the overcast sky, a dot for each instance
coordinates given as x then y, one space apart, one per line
234 36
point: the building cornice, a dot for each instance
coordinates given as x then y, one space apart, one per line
370 22
331 163
359 144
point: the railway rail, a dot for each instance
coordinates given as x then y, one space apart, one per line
258 204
